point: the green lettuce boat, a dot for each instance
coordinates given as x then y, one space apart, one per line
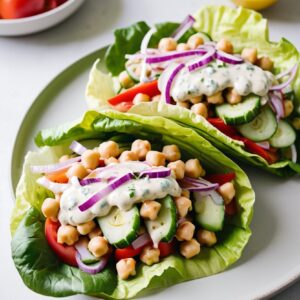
245 28
42 271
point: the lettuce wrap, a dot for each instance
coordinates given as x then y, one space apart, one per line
244 28
39 267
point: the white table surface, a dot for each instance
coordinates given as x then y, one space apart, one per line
28 63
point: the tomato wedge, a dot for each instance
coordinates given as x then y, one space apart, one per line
166 248
220 178
224 128
149 88
64 252
59 176
127 252
231 208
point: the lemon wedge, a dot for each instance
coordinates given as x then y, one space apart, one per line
255 4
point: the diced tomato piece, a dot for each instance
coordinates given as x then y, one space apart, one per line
166 248
220 178
149 88
127 252
231 208
59 176
101 163
220 125
67 254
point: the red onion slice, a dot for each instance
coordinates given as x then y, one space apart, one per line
228 58
156 173
197 185
89 181
277 105
104 192
141 241
93 268
265 145
154 59
52 186
294 153
293 72
77 148
183 27
167 92
55 167
204 60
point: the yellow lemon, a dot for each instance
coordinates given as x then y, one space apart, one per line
255 4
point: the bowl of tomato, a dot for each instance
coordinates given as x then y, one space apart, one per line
22 17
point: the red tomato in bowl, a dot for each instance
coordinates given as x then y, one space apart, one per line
15 9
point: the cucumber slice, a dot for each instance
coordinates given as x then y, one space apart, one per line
163 228
209 210
285 135
262 128
120 227
240 113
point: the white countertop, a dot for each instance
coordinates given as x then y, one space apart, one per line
28 63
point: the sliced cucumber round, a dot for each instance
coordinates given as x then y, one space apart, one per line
163 228
85 255
262 128
285 135
240 113
120 227
209 213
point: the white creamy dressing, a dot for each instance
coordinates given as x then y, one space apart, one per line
124 197
245 78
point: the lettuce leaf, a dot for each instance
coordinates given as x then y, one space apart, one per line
44 273
245 28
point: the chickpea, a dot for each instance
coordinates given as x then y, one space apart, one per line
233 97
138 71
200 109
177 168
189 248
186 193
150 255
95 232
90 159
265 63
183 205
296 123
156 98
167 44
217 98
50 208
227 191
67 234
140 98
126 267
193 168
78 170
98 245
184 104
288 108
109 149
171 152
249 54
155 158
86 228
150 209
185 231
195 100
64 158
125 80
225 45
128 156
183 47
111 160
206 237
195 41
141 148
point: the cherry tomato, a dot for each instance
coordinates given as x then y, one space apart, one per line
65 253
220 178
166 248
14 9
